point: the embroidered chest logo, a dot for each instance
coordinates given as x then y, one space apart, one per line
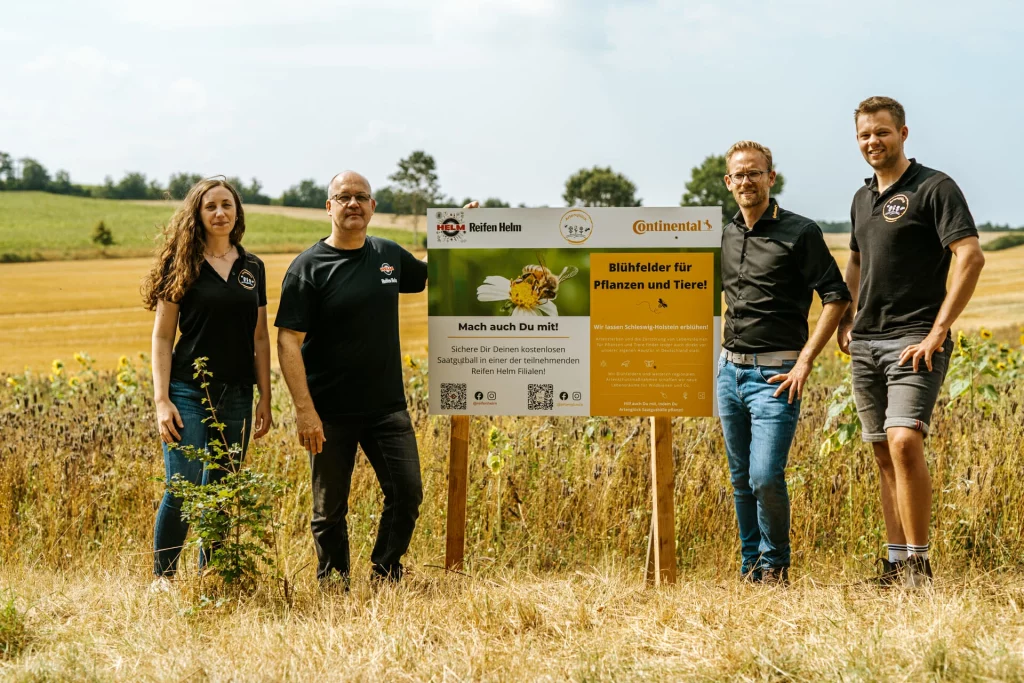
388 269
895 207
247 279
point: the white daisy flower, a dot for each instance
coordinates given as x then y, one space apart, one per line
521 297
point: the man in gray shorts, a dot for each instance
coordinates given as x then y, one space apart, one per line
908 220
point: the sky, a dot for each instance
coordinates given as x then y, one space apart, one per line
513 96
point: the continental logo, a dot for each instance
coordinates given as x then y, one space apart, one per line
640 227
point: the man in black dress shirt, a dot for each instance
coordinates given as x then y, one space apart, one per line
772 261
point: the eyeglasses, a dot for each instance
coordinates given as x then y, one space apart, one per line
753 176
362 198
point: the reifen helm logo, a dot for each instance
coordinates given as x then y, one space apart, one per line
450 226
387 268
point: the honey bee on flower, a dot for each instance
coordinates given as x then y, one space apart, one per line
533 292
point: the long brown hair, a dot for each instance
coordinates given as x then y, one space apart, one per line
180 258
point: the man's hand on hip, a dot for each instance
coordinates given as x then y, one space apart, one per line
930 345
793 381
310 430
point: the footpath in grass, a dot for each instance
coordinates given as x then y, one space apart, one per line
38 226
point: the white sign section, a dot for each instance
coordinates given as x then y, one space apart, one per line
595 311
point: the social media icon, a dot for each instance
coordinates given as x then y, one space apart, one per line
577 395
492 395
564 396
479 395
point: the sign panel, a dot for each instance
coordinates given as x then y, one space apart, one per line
581 311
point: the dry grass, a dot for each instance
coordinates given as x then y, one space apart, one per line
555 543
591 625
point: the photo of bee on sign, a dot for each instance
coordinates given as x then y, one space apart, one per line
512 282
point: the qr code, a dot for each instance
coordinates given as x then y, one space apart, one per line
453 396
540 396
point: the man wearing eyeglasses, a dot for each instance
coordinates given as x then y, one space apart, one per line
338 345
908 221
772 261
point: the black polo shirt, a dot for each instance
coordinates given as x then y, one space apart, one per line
217 319
768 274
903 236
346 301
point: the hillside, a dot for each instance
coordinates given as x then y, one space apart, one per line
36 226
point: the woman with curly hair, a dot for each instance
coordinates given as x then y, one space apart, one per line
206 285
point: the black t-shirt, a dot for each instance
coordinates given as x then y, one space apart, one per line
903 236
217 319
346 301
769 274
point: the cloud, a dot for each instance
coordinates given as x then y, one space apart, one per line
86 60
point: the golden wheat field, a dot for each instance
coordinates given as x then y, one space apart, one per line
51 309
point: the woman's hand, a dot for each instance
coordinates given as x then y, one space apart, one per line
264 417
167 417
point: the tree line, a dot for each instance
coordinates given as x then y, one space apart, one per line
414 187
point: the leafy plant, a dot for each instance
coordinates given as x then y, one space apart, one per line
233 515
841 419
13 632
979 369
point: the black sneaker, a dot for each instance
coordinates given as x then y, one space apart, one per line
891 574
751 575
917 573
775 576
335 583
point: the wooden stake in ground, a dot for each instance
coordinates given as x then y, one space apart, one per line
661 554
458 464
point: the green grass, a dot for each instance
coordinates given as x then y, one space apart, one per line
1004 242
41 226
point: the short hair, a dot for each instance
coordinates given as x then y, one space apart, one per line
341 173
743 145
880 103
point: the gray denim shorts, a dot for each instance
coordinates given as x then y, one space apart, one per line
888 395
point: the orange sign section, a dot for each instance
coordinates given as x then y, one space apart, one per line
651 337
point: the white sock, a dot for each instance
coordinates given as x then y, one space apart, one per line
919 550
898 552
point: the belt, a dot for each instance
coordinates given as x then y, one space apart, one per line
774 359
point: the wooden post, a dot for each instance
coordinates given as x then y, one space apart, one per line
662 560
458 464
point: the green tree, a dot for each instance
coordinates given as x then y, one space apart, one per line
34 176
494 203
707 187
599 187
416 179
180 183
132 186
7 179
307 193
102 235
62 184
385 197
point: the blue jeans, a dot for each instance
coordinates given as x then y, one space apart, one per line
234 408
758 430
